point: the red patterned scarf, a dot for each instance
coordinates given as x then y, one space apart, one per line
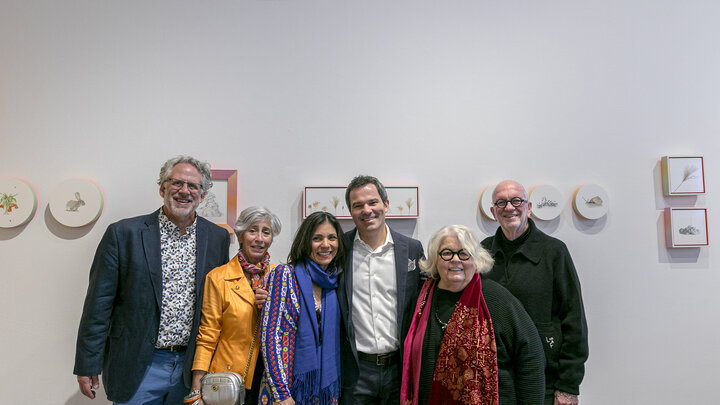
257 271
466 366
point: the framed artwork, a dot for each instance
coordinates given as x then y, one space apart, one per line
686 227
76 202
547 202
486 202
18 202
590 201
329 199
683 175
220 203
403 201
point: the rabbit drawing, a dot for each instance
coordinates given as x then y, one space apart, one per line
73 205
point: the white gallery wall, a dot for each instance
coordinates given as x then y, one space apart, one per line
449 96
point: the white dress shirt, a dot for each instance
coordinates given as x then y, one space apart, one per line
374 296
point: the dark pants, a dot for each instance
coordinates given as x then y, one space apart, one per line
376 385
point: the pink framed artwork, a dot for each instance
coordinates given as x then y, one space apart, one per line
683 175
686 227
220 203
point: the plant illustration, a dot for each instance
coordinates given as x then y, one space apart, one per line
400 208
8 202
335 202
688 174
409 203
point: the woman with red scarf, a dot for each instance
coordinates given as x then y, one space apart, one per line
233 299
454 353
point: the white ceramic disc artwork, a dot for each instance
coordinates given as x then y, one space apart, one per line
18 202
76 202
590 201
547 202
486 202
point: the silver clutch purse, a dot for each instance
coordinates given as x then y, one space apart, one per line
223 388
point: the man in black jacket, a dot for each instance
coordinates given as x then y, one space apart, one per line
538 270
142 308
377 292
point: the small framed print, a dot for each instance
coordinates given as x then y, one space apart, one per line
403 201
686 227
220 203
683 175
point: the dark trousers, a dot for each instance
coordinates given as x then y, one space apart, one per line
376 385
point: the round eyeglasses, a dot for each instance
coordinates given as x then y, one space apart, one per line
515 201
447 254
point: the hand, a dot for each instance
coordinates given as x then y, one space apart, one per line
563 398
288 401
260 297
88 385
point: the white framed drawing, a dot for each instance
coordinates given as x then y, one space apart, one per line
220 203
547 202
329 199
76 202
590 201
486 202
683 175
686 227
18 202
403 201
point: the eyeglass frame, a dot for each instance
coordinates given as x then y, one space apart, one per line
178 184
440 253
502 203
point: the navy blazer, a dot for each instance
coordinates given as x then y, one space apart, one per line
408 252
121 315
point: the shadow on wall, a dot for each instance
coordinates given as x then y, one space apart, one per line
65 232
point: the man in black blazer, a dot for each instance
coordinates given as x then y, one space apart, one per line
377 293
142 308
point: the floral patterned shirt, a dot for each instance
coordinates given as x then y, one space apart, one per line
178 273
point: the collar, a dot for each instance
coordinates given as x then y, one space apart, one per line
387 244
532 249
168 225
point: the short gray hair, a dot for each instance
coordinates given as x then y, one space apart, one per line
250 215
481 257
202 167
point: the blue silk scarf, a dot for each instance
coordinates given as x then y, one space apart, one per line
317 366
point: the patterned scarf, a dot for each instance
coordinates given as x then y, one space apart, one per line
257 271
317 366
466 367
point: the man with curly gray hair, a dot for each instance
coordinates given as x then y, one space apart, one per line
142 308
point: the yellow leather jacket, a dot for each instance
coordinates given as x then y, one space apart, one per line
227 324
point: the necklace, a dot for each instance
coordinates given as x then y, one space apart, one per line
443 325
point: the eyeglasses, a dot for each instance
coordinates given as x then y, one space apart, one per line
515 201
178 184
447 254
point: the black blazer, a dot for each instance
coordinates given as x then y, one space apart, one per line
121 315
408 252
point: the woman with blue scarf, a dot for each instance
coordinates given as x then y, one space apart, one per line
300 334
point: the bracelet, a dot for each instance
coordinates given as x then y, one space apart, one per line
193 397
